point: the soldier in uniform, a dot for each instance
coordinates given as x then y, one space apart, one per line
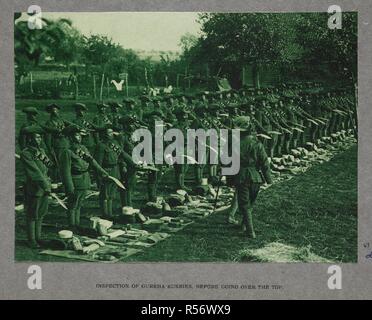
145 104
101 121
153 175
82 122
156 101
169 107
182 124
254 171
115 116
75 164
200 122
55 140
110 156
127 169
31 114
37 184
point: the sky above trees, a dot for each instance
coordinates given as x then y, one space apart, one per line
134 30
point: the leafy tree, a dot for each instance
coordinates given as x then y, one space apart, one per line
231 40
31 45
337 46
240 39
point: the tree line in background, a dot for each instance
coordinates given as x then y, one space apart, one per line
227 42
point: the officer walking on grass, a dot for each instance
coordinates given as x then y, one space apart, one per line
37 185
254 171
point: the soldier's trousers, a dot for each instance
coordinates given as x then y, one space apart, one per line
198 169
313 132
272 144
152 185
247 194
108 191
298 135
180 171
36 209
74 203
130 181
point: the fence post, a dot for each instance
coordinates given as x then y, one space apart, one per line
94 87
31 88
126 85
76 88
101 90
108 88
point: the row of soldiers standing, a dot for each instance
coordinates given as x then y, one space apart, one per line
76 151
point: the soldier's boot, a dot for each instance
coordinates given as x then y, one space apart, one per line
38 228
248 222
31 234
232 212
250 228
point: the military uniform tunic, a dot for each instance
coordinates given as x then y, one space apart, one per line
37 183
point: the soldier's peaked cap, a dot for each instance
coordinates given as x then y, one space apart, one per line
202 93
156 114
144 98
168 97
51 106
214 106
34 129
115 104
181 111
260 98
101 105
30 110
200 108
157 99
80 106
128 100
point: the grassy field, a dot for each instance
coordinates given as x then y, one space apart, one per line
317 209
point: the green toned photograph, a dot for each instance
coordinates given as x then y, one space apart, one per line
186 137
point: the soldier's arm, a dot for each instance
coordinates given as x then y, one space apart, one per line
89 158
22 139
50 128
264 163
34 172
65 170
258 126
100 153
128 160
